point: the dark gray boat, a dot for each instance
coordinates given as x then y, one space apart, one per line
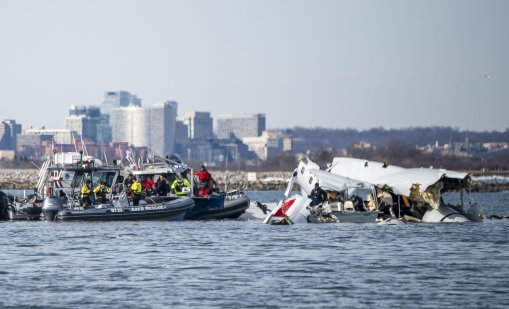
63 201
170 209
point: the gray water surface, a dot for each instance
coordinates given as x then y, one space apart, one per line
246 264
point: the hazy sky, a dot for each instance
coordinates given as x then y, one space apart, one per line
336 64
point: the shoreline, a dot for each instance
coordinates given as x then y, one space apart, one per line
14 179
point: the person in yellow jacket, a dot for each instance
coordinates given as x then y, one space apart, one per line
179 184
100 192
136 189
85 192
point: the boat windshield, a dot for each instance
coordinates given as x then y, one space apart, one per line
107 176
78 180
67 177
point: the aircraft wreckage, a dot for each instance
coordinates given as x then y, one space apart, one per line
363 191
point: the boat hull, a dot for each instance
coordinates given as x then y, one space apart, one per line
24 212
217 207
356 217
172 210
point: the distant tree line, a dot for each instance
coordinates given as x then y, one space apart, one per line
398 147
315 138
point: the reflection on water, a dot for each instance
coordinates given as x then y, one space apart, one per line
239 264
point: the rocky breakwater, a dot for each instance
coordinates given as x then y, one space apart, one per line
18 178
251 181
230 180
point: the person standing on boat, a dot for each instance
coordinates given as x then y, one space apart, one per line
205 181
317 196
100 192
128 183
148 186
136 189
85 194
179 184
161 186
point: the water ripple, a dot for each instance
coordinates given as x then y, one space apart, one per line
245 264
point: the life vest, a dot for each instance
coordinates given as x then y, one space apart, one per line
101 190
85 190
136 187
179 184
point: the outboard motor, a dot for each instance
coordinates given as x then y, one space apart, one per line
51 206
4 206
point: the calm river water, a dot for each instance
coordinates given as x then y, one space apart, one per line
246 264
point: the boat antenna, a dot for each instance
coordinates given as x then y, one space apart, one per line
74 141
120 151
83 146
53 149
104 154
129 156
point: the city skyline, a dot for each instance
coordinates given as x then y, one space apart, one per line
331 64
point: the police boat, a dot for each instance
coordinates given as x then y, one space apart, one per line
62 183
218 205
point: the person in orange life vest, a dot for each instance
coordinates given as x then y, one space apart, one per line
205 181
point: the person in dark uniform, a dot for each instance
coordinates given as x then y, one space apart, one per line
128 181
161 186
318 196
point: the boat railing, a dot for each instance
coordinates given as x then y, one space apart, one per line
235 186
72 197
234 194
119 196
43 177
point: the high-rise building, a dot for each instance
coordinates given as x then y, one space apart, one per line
113 100
181 132
116 99
83 120
131 124
152 127
240 126
82 110
163 117
199 125
104 129
9 129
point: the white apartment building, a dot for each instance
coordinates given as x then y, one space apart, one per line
152 127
